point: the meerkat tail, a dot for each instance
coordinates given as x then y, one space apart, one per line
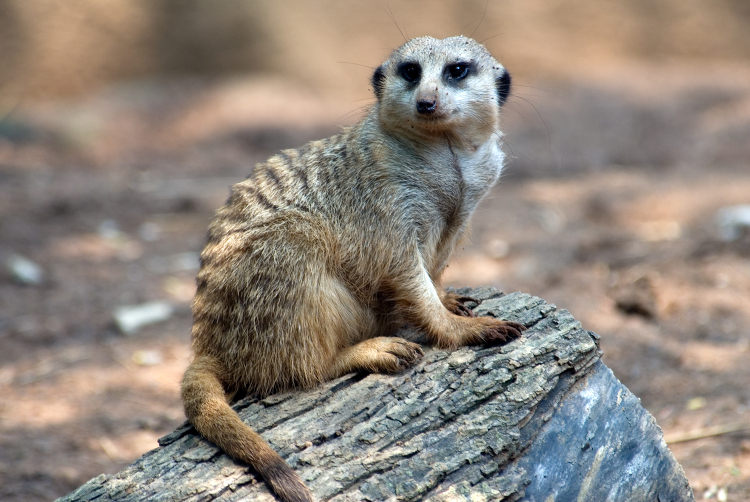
207 409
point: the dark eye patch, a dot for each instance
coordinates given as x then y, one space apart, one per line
411 72
458 71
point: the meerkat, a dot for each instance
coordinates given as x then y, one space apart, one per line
323 252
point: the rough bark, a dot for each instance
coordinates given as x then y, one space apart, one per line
538 419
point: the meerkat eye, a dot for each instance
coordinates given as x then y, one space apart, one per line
411 72
457 71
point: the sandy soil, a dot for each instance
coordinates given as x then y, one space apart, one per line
608 209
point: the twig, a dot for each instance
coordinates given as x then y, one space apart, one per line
716 430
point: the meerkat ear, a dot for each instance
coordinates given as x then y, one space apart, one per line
502 84
378 79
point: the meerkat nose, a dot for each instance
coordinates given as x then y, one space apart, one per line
426 106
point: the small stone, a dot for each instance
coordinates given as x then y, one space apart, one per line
636 298
696 403
734 222
710 492
147 357
131 318
25 271
721 496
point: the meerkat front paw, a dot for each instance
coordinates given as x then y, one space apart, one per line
497 331
475 331
455 304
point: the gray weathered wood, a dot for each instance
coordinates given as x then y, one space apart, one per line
538 419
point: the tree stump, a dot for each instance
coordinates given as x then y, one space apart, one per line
538 419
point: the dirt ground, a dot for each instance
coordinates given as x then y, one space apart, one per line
608 208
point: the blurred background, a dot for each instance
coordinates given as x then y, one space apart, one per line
123 123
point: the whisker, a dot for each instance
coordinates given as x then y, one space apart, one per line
532 87
490 38
356 64
387 8
486 5
549 136
354 112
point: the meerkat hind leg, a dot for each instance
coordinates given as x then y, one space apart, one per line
382 354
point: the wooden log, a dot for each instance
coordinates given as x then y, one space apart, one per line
538 419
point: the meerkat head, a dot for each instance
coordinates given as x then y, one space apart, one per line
434 86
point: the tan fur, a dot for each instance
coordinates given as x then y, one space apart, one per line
324 251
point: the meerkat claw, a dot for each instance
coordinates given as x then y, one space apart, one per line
456 304
504 332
